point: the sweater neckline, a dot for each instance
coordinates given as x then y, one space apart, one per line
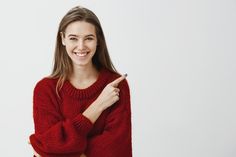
88 92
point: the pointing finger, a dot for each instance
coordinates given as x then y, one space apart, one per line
118 80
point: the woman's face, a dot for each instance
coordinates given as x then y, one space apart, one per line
80 41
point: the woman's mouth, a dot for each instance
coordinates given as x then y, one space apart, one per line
81 54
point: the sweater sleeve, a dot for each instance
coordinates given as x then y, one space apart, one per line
54 135
115 141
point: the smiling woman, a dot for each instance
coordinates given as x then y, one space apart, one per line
80 41
83 108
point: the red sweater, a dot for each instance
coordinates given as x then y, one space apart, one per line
62 131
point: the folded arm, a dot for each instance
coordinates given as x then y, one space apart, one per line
54 135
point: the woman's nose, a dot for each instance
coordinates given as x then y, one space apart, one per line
80 44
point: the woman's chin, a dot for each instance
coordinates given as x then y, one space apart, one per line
81 64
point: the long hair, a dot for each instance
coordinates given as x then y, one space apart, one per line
62 66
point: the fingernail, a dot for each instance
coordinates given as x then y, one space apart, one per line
126 75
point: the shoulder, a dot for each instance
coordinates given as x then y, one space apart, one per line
123 85
45 84
123 105
45 96
114 75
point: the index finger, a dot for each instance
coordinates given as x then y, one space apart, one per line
118 80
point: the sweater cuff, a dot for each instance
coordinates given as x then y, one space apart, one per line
82 123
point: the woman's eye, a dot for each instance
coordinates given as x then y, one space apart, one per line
73 39
89 39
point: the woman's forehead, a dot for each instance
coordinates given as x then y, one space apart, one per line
80 28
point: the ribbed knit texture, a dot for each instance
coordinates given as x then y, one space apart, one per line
62 131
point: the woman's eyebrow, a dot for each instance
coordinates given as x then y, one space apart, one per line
90 35
74 35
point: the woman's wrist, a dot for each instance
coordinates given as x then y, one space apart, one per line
93 111
98 106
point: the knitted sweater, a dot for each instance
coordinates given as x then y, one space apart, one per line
62 131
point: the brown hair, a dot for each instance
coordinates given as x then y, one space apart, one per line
62 67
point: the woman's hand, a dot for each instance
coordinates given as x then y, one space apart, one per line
82 155
110 94
108 97
35 153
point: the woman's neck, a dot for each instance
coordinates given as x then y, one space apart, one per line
84 76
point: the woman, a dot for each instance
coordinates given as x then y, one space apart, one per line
83 108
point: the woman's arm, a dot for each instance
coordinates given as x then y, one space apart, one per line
115 141
53 134
107 98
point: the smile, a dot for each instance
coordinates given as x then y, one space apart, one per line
83 54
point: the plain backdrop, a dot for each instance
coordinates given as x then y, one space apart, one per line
180 56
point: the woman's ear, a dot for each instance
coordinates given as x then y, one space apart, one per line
62 38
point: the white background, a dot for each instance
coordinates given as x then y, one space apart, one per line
180 57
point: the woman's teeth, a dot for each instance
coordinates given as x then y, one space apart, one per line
81 54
